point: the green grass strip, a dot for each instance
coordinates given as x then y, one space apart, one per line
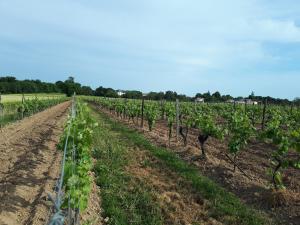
125 200
226 207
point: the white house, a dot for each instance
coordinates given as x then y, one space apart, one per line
120 93
243 101
250 102
199 100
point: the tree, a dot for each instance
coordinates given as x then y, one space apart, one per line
226 98
133 94
207 97
252 96
216 97
106 92
8 79
86 90
297 101
70 80
184 98
170 95
155 96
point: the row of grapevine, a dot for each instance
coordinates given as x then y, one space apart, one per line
74 186
11 111
273 124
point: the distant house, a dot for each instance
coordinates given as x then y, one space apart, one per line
199 100
230 101
120 93
250 102
243 101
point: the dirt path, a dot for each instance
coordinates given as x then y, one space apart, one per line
29 166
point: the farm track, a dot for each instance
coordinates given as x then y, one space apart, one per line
29 166
254 161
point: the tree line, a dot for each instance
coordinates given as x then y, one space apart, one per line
10 85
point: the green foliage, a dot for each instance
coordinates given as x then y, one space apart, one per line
151 113
206 122
286 137
223 206
77 181
133 109
187 115
254 113
11 111
170 112
125 199
282 125
10 85
240 130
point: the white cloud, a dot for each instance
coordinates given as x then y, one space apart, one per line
170 36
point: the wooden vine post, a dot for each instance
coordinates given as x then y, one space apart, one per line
264 115
177 119
291 111
124 113
23 100
1 108
161 106
143 105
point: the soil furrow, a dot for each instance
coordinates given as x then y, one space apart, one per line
29 166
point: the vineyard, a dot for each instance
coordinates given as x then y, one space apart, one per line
238 146
16 107
19 97
94 160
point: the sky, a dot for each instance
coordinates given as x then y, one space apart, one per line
188 46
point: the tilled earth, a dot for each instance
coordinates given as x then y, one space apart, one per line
29 166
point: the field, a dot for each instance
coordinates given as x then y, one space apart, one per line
117 161
18 97
29 165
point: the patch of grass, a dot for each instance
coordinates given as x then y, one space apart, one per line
5 119
125 200
225 206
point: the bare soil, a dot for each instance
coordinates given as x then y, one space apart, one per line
253 189
179 204
29 166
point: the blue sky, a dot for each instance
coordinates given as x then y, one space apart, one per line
189 46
